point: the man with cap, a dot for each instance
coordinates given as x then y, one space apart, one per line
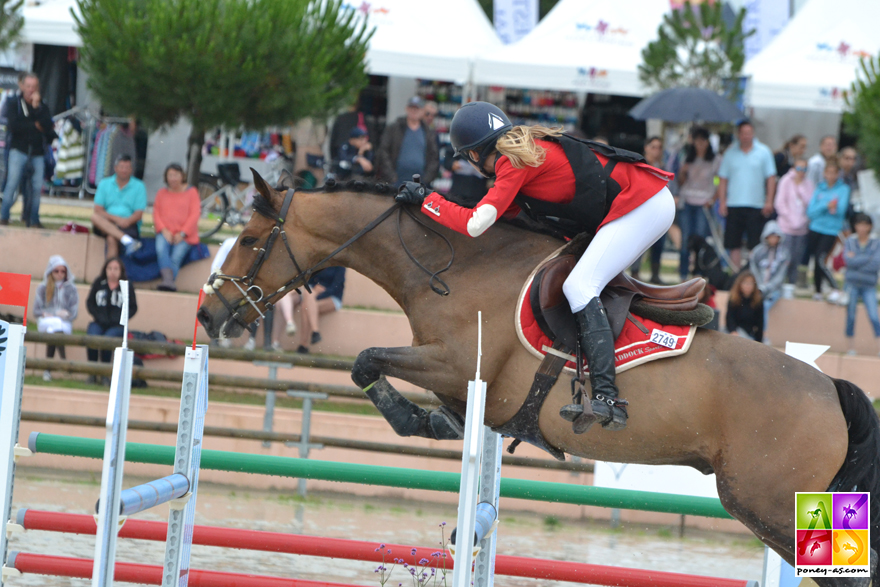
409 146
355 157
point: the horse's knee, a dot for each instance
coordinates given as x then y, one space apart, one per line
366 370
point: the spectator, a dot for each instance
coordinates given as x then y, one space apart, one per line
327 286
816 164
745 312
176 213
862 258
769 263
827 212
791 151
119 206
745 194
408 147
56 304
105 306
30 125
468 185
697 180
792 199
12 100
355 157
654 156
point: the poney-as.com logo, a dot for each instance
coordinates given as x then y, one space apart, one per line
833 534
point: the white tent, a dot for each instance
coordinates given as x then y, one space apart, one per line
50 23
815 58
581 45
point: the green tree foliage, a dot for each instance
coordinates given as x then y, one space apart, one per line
11 22
863 117
229 63
695 48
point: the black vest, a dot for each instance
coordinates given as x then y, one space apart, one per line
594 190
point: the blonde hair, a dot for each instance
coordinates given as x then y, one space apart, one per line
518 144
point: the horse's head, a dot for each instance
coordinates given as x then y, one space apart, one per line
259 267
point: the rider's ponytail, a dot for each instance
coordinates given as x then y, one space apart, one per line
519 145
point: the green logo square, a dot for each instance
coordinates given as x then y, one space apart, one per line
813 511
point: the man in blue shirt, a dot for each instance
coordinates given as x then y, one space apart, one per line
746 191
409 146
119 206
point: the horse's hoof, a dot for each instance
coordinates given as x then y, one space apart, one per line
583 423
571 412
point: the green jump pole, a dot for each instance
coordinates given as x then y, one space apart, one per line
387 476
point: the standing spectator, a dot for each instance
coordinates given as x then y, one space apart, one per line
816 164
31 128
697 180
745 311
792 150
862 258
654 156
105 306
56 304
408 147
792 199
327 288
827 212
355 157
769 263
12 101
745 194
176 214
847 159
119 206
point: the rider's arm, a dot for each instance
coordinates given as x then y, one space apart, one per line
498 201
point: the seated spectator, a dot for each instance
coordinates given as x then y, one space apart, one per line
769 263
355 157
56 304
862 258
745 312
105 306
827 212
792 199
119 206
176 214
697 180
327 287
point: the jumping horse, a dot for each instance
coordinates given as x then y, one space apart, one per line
766 424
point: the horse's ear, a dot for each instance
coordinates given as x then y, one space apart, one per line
286 181
261 185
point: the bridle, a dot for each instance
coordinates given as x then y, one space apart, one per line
246 286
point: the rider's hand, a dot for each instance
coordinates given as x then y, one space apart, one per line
411 192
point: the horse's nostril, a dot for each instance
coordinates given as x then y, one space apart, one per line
204 317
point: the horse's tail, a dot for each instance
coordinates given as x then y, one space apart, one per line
861 468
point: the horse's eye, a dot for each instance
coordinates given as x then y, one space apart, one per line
248 241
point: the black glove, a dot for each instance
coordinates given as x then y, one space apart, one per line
412 192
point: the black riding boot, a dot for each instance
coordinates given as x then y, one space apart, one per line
597 345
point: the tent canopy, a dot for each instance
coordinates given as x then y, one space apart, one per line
815 57
581 45
50 23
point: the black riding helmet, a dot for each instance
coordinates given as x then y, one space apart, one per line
477 126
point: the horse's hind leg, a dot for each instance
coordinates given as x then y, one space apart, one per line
405 417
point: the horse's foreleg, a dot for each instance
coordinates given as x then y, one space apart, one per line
404 416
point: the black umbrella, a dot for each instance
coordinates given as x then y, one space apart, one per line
687 105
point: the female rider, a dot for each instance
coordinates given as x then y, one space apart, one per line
574 186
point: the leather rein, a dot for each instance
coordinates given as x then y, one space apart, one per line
246 286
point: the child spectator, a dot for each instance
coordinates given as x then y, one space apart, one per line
827 213
327 287
176 214
745 312
355 157
105 306
56 304
769 263
792 199
862 258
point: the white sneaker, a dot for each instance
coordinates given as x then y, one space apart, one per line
834 296
250 345
291 328
225 343
276 346
47 376
817 297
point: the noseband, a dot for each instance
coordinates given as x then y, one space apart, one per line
245 284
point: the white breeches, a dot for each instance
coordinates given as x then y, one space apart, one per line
616 246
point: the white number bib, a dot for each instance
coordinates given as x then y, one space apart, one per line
664 338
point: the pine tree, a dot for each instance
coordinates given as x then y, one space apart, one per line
11 22
229 63
863 117
695 48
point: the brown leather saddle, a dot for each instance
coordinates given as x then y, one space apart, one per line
622 297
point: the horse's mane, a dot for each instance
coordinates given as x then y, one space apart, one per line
265 208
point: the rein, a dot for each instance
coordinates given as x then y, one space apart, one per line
245 284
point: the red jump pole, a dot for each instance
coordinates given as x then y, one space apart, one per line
367 551
62 566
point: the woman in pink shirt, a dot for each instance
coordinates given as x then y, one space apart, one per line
792 198
176 214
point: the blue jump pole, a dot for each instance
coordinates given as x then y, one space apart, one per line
149 495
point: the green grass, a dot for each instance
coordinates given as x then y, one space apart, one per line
552 523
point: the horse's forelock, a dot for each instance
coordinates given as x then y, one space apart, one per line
264 207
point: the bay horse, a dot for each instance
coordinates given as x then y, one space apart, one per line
766 424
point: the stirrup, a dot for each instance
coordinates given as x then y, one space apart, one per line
580 415
610 411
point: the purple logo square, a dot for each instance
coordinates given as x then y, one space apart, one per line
850 511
